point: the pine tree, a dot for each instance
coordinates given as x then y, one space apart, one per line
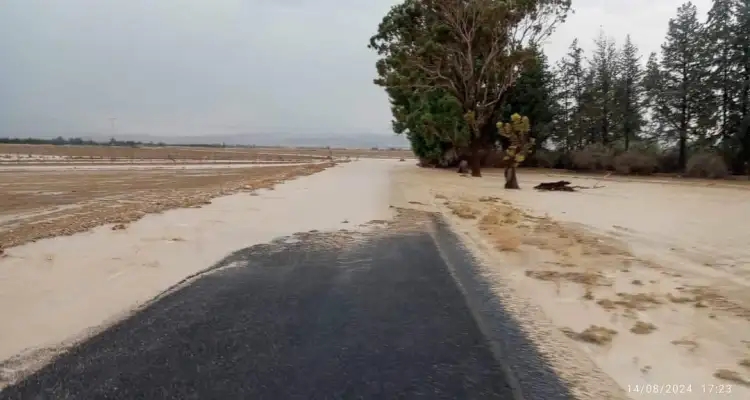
653 85
630 92
604 65
562 96
590 110
742 49
576 74
531 97
721 61
684 76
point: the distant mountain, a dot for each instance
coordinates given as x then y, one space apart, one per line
355 140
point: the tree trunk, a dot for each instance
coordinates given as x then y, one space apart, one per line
511 181
475 160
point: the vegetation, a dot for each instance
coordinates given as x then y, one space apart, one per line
61 141
447 65
454 69
517 133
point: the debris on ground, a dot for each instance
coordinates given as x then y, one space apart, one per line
559 186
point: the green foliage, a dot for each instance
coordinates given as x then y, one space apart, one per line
431 118
608 109
446 81
629 93
604 71
685 95
531 96
694 94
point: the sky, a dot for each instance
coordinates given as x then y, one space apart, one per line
202 67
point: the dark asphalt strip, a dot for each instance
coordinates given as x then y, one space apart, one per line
530 375
378 320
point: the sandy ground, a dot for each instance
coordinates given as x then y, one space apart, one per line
646 282
144 166
650 279
45 203
50 153
56 289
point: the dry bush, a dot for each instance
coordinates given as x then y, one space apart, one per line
494 159
505 239
593 334
565 161
463 211
731 376
594 157
691 345
668 161
546 159
636 162
631 301
643 328
585 278
496 225
707 165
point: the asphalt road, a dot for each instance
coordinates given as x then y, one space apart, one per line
319 318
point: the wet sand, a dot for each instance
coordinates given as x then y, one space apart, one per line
636 284
55 288
43 204
650 279
323 315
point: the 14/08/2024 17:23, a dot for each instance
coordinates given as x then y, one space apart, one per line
679 389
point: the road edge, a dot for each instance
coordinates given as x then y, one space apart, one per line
512 348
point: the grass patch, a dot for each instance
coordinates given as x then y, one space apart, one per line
594 334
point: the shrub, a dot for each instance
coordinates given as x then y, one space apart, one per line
668 161
546 159
565 161
494 159
594 157
636 162
707 165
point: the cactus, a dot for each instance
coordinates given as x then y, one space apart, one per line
520 144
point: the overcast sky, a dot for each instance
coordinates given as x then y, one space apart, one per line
188 67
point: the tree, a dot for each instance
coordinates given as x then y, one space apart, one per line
589 116
721 59
742 48
531 96
629 99
684 92
432 121
518 133
604 66
576 74
653 85
473 50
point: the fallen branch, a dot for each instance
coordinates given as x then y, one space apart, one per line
559 186
564 186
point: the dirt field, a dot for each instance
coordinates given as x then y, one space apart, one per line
650 277
47 203
17 153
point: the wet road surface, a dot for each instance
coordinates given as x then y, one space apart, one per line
319 317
